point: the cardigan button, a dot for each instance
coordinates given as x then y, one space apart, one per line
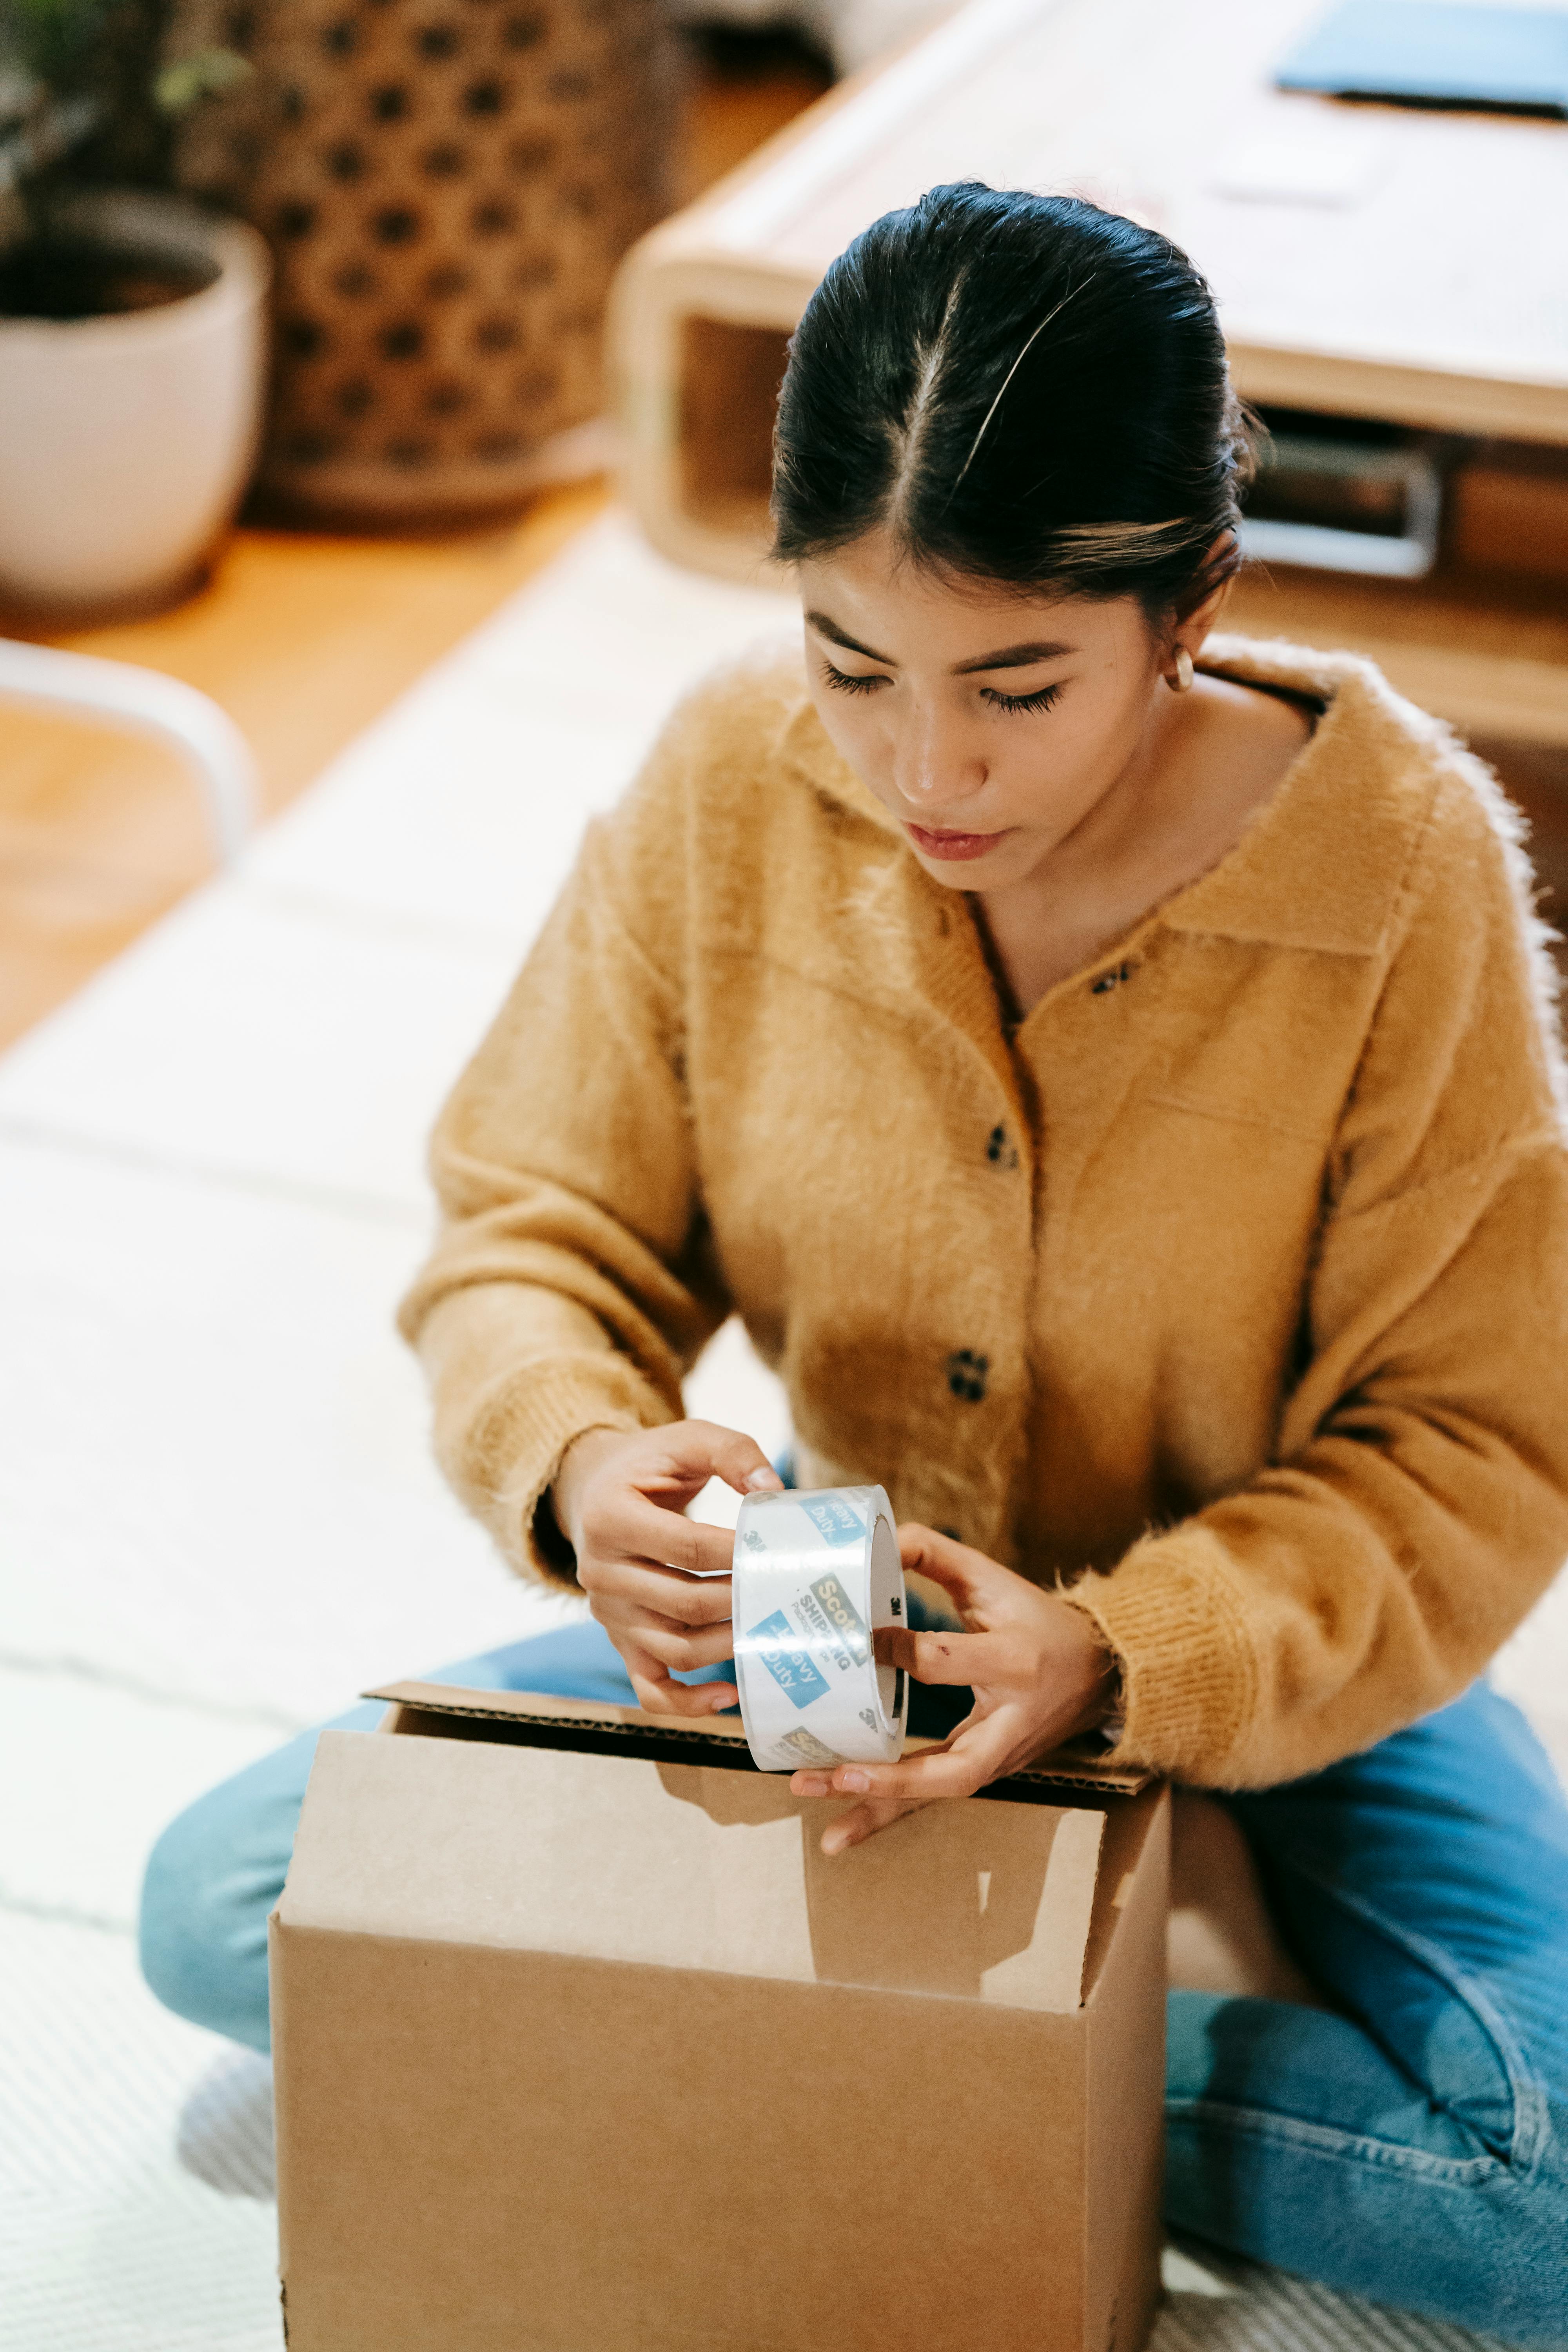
999 1151
966 1375
1110 980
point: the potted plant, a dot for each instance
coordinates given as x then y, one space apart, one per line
133 339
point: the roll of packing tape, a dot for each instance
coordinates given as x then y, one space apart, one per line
816 1576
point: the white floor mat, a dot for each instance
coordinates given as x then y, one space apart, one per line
217 1483
108 2242
303 1045
100 1771
218 1517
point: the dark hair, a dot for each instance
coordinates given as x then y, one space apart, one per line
1022 389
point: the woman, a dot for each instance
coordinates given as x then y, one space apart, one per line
1121 1098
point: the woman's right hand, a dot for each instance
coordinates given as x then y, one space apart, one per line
658 1582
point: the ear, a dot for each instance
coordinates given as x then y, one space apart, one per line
1191 628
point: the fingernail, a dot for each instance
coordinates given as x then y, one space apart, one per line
758 1479
856 1781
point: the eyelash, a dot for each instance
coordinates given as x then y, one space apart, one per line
1041 699
845 682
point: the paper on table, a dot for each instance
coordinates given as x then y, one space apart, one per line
1300 167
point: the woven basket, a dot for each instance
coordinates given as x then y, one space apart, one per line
447 186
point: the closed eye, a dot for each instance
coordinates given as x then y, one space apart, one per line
848 682
1041 699
845 682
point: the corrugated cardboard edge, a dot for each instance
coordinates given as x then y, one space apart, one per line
677 1739
1125 2151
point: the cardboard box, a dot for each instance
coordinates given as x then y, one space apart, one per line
581 2045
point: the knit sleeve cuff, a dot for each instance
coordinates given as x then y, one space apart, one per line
1171 1614
509 1456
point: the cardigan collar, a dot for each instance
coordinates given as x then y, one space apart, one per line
1319 865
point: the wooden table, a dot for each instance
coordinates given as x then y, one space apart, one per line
1422 278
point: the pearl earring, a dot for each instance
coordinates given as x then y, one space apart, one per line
1182 681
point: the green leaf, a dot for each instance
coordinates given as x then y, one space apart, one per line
208 73
51 39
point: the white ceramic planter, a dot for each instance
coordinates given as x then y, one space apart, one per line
126 442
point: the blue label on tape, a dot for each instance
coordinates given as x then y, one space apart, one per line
836 1521
775 1641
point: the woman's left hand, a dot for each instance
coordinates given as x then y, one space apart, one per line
1039 1669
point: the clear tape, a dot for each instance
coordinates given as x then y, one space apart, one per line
816 1576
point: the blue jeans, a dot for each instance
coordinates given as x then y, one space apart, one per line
1411 2144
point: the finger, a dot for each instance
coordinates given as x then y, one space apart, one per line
967 1576
676 1648
972 1658
696 1700
739 1460
624 1525
974 1756
658 1694
686 1454
975 1753
863 1821
666 1592
817 1781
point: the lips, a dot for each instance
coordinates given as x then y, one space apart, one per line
952 844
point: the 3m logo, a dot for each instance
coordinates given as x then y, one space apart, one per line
844 1617
836 1521
776 1642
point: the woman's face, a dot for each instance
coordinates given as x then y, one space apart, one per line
989 724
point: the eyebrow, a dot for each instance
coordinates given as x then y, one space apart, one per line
831 630
1006 657
1018 657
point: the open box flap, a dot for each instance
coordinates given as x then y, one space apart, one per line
624 1859
595 1729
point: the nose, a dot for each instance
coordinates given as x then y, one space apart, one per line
936 762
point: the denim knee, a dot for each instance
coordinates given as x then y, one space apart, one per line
1528 2230
203 1928
212 1881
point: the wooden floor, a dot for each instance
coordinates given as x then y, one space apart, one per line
301 637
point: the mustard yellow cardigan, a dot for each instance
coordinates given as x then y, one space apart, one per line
1231 1291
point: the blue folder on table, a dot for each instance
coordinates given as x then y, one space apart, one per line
1436 53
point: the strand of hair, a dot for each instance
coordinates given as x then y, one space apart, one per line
1007 379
